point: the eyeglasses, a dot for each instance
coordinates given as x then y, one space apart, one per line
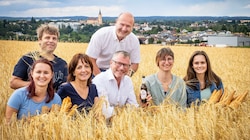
119 64
169 59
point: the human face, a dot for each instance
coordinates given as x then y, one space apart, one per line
199 64
48 42
82 71
166 63
42 74
120 66
124 25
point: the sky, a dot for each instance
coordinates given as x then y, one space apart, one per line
112 8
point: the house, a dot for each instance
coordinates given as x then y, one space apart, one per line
143 40
225 41
183 39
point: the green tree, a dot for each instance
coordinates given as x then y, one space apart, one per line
33 20
223 27
151 40
75 37
66 30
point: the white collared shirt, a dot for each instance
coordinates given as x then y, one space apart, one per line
104 43
106 84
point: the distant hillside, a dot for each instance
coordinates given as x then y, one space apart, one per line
189 18
148 19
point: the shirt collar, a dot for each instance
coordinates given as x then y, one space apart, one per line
111 76
115 36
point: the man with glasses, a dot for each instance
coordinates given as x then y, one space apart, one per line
114 83
116 86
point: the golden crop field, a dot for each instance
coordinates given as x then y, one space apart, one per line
161 122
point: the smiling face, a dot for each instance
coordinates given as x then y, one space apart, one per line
120 65
165 59
48 42
82 71
166 63
124 25
42 74
199 64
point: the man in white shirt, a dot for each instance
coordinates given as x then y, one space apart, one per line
107 40
114 82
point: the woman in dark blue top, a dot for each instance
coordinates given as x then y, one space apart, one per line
79 87
200 79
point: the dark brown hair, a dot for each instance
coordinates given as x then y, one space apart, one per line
210 76
73 63
32 88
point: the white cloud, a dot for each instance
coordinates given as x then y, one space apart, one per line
27 2
71 11
7 2
247 6
218 8
42 8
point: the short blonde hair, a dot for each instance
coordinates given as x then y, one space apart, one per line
47 28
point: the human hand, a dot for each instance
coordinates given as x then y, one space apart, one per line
148 98
130 72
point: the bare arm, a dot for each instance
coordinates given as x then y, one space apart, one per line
16 82
96 70
96 99
9 112
134 66
133 69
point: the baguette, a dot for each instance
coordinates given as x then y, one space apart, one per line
72 110
227 98
66 105
224 94
45 109
215 97
55 108
238 100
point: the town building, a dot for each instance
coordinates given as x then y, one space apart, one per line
227 41
95 20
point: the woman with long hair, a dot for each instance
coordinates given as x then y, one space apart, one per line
200 79
79 87
28 101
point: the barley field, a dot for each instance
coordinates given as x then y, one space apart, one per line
207 121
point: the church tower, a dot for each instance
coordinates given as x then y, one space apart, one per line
100 18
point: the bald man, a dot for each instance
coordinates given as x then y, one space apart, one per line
107 40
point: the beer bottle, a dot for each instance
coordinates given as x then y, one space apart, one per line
143 91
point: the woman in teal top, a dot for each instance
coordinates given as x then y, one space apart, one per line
163 85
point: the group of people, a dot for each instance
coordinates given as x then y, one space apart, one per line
112 57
